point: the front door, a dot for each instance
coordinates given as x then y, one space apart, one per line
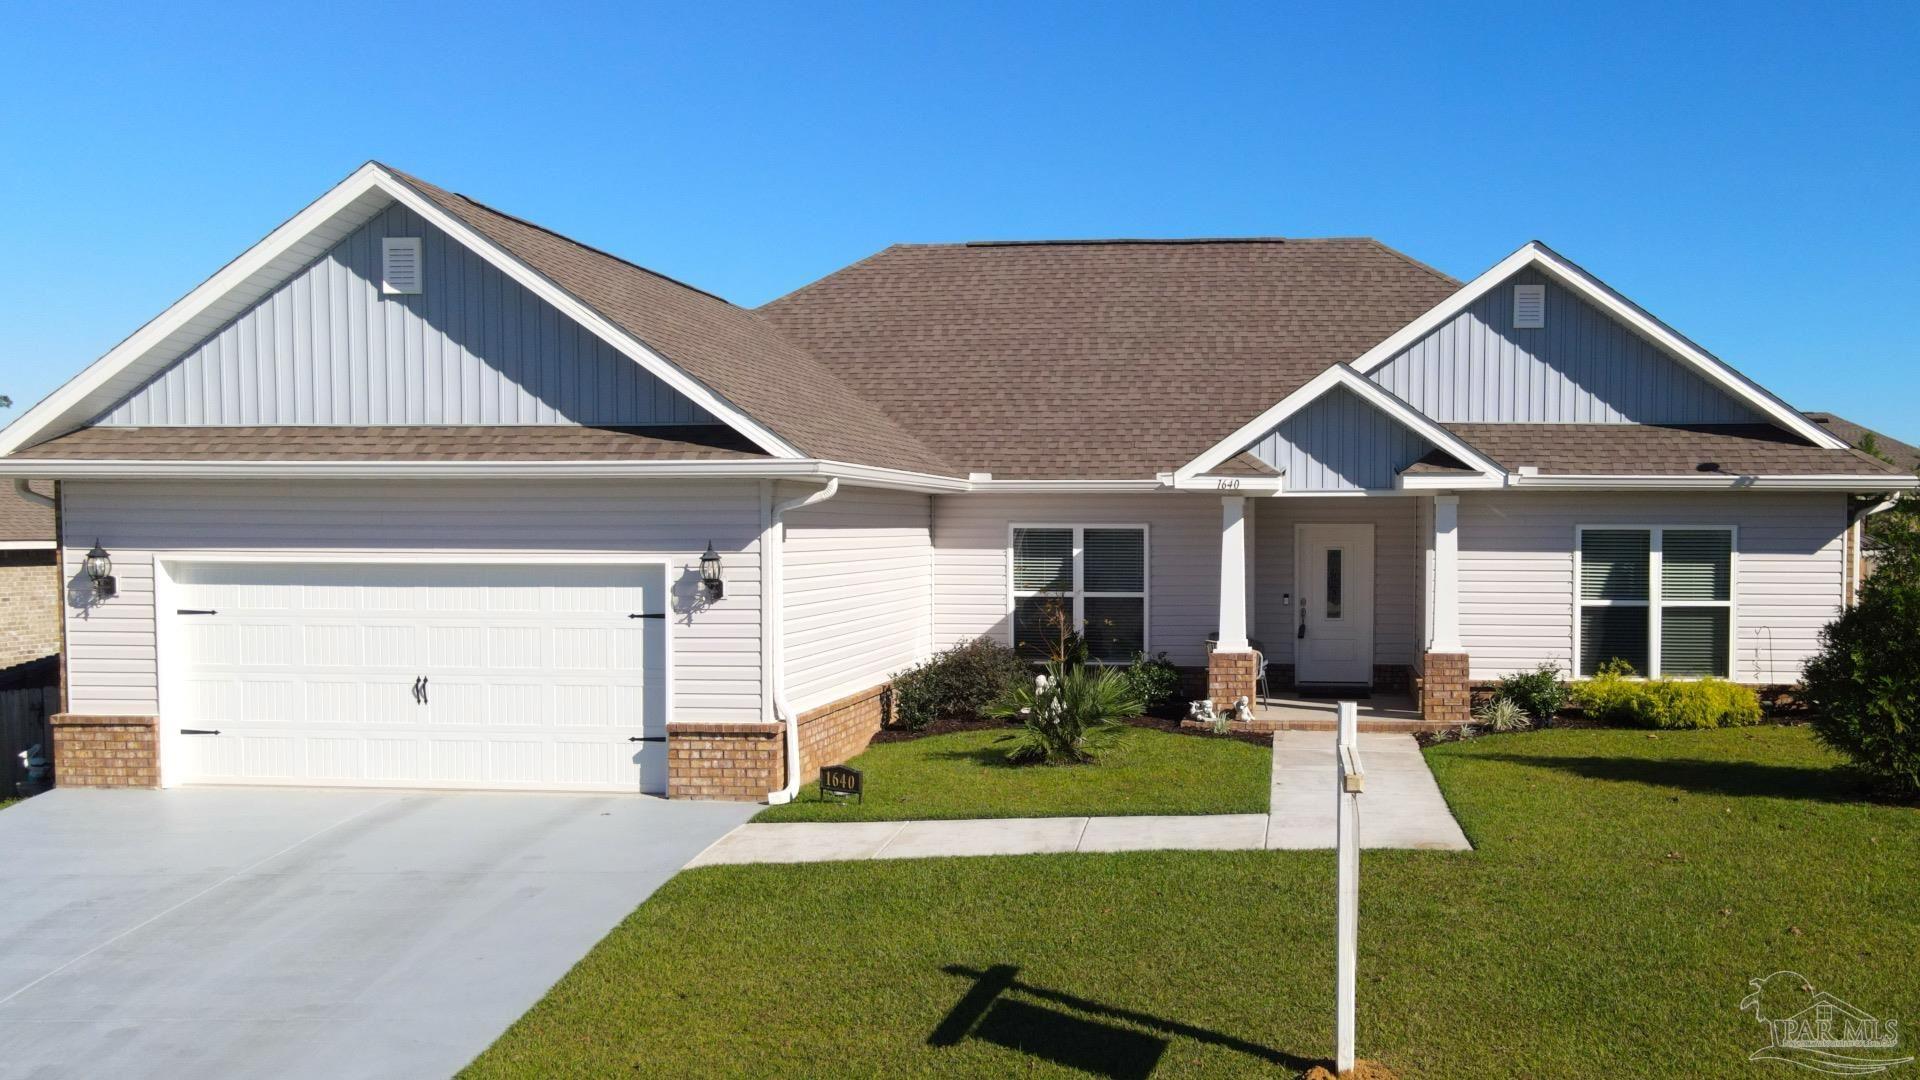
1333 632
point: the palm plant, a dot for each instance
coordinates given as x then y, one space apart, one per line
1068 716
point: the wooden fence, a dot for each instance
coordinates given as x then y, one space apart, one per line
23 725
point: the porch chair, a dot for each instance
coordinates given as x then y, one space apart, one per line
1261 691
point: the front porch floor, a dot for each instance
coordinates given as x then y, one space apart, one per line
1381 713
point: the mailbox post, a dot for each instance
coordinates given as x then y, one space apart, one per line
1349 780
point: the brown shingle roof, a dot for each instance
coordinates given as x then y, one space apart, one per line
705 442
22 520
1905 455
1653 450
1098 359
730 349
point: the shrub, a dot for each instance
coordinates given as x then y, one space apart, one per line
1613 698
1538 693
1864 686
956 684
1069 715
1504 714
1155 681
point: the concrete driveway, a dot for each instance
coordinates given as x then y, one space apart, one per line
305 933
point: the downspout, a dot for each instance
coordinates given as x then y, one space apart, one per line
21 489
774 611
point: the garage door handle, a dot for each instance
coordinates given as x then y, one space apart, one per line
197 731
650 615
196 611
647 738
423 690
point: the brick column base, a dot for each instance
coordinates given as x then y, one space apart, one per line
105 751
1445 695
1231 675
726 762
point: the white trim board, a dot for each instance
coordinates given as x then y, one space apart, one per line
1538 256
299 240
1341 375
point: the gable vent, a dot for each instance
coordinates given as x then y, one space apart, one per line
400 265
1529 307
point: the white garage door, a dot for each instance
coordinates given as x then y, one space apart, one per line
497 676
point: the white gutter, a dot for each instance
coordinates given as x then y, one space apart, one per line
21 489
759 468
1715 482
773 609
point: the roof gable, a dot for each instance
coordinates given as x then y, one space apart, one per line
1581 366
725 360
1340 432
1537 256
328 346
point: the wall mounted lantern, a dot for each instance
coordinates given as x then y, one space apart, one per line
710 573
100 571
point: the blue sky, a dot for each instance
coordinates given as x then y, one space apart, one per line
1751 181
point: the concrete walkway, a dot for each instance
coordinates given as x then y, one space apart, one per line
1402 808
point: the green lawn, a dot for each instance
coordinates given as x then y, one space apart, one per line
1624 890
965 774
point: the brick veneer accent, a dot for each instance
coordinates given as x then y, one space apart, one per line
1230 675
1446 697
730 762
105 751
836 731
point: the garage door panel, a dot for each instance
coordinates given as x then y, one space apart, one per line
534 676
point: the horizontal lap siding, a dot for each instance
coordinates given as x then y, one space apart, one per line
1516 572
858 592
716 649
970 561
1396 603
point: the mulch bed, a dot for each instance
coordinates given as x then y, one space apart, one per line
1168 724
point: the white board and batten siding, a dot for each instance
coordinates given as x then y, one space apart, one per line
112 649
1517 566
858 603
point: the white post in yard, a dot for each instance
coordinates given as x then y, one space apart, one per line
1349 780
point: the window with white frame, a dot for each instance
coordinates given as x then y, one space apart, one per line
1659 598
1089 579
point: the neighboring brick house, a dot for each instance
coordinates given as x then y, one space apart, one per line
29 588
414 493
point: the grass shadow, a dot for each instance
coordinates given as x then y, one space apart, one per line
992 756
1073 1031
1707 777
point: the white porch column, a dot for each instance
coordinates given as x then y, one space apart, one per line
1444 635
1233 574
